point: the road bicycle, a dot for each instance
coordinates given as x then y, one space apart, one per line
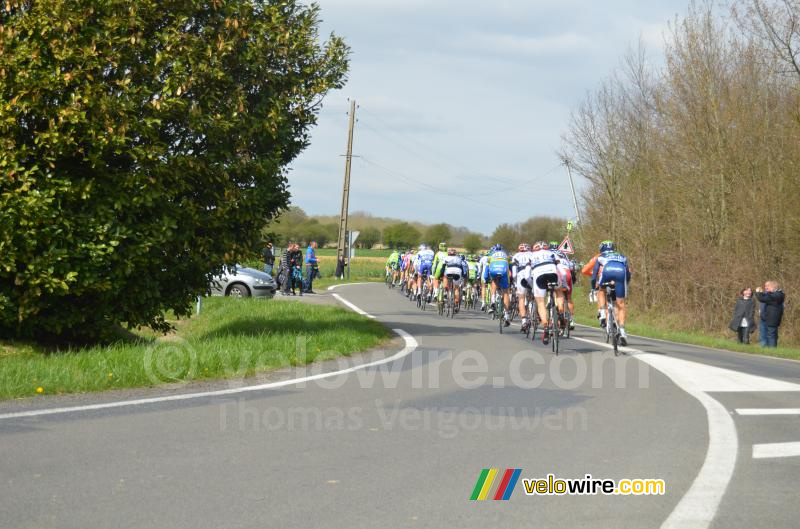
552 314
612 327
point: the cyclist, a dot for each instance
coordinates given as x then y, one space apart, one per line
521 272
612 266
422 266
454 269
545 270
393 265
407 268
438 268
497 272
483 264
472 274
566 268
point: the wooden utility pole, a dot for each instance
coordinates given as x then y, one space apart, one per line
572 188
342 248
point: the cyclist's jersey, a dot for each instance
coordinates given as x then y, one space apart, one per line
542 257
393 260
424 261
483 264
520 262
438 261
454 265
564 261
611 261
498 263
472 270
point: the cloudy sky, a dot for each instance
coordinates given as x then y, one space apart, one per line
462 103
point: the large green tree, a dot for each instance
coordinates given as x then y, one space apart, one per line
438 233
142 146
400 235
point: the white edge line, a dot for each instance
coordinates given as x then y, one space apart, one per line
698 506
772 450
410 345
768 411
353 307
717 349
334 287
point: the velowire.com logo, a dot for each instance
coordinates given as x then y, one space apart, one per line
495 484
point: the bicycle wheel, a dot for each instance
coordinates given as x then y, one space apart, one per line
614 333
567 318
498 311
554 323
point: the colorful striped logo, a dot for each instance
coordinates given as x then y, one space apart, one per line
489 487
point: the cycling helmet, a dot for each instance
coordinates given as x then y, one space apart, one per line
423 246
554 245
496 248
524 247
607 246
451 251
540 245
442 246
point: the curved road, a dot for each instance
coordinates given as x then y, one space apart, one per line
402 442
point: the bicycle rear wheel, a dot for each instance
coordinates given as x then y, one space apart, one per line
554 323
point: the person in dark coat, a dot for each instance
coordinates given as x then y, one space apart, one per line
744 314
772 297
269 258
295 273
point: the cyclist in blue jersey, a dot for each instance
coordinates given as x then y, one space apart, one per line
612 266
423 264
497 271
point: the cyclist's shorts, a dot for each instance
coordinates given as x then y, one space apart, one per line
403 265
503 279
393 265
523 278
566 276
425 268
541 276
455 278
439 272
618 274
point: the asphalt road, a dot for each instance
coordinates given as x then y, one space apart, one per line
402 443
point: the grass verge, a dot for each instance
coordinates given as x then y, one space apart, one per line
230 338
651 326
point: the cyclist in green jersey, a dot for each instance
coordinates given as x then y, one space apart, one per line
393 264
438 267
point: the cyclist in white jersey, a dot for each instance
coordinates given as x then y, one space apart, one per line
483 263
455 269
521 273
544 271
566 268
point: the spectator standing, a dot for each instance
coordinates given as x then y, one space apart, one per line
295 257
283 278
312 266
269 258
744 312
772 298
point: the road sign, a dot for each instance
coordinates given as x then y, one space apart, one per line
566 246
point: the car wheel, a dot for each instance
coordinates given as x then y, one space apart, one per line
238 290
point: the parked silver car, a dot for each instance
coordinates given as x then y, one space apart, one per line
243 282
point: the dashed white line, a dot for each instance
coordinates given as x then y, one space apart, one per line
774 450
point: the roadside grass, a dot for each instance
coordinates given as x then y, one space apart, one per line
666 328
230 338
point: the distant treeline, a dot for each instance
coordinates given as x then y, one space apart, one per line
295 225
694 166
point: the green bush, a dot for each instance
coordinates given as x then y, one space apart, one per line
142 145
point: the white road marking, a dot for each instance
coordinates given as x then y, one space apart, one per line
353 307
410 345
772 450
768 411
334 287
697 508
695 345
